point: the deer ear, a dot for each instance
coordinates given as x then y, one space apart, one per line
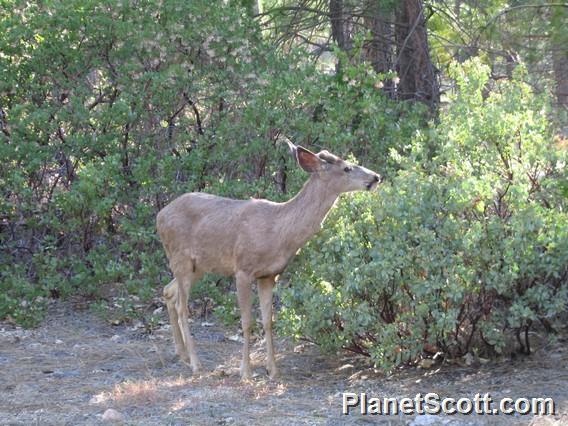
308 161
292 147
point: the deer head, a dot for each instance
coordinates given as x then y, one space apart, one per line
336 172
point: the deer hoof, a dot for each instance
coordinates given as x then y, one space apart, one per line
273 373
184 358
196 367
246 374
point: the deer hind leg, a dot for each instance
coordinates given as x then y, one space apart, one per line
185 281
265 286
244 296
171 295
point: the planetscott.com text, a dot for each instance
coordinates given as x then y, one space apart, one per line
432 403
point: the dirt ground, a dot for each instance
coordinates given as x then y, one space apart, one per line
76 366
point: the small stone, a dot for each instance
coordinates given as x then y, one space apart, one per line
97 399
427 363
219 372
235 338
138 325
112 416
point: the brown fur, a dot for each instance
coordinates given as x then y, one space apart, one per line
249 239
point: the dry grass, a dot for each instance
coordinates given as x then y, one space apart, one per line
141 392
80 368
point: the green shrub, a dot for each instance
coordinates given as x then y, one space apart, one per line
465 246
111 110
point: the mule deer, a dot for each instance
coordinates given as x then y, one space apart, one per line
250 239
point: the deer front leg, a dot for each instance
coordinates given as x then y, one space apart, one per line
244 296
265 286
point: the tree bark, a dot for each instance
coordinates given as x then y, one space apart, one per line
339 29
559 50
560 65
379 50
417 74
337 23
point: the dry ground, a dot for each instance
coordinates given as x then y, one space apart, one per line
76 366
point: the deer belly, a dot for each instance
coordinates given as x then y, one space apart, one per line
215 263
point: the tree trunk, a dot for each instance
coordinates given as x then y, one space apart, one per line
339 29
415 69
559 50
560 65
379 50
338 23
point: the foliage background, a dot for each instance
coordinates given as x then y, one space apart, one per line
110 110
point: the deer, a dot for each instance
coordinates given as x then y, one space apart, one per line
250 240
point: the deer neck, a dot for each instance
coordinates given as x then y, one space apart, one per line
305 212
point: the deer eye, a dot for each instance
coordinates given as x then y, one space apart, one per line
347 169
